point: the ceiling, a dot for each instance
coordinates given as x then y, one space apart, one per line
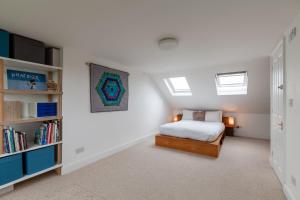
210 32
204 94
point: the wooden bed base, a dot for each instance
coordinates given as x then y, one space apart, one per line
194 146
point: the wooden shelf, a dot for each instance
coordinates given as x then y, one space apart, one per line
30 120
34 147
30 176
31 92
10 62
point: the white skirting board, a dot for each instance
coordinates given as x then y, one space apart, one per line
288 193
6 190
68 168
276 171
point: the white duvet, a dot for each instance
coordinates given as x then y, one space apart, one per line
197 130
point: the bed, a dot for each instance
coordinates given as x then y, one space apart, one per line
202 137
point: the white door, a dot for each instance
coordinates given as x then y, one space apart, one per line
278 111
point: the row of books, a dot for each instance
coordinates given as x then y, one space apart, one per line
13 140
47 133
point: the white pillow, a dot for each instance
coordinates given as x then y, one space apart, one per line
213 116
187 115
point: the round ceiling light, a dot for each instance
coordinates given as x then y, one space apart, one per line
168 43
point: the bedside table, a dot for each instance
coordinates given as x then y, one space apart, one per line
229 130
230 124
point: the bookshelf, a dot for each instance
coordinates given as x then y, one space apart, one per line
31 148
50 95
28 65
30 92
29 120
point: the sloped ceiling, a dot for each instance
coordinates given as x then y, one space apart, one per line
210 32
202 83
214 36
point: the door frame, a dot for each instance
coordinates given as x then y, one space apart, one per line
281 176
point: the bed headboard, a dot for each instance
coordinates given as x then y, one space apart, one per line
225 119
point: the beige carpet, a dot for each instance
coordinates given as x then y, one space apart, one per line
145 172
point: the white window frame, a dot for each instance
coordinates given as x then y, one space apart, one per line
177 92
234 88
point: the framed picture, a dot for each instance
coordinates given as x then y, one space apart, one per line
108 89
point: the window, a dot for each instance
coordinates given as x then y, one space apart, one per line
178 86
235 83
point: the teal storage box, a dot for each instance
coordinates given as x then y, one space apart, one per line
38 160
10 168
4 43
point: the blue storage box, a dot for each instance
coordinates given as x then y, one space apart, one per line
42 109
38 160
4 43
11 168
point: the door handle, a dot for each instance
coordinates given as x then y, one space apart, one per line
280 87
280 124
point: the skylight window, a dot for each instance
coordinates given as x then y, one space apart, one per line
178 86
235 83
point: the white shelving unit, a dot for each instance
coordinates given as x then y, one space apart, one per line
29 120
34 147
28 65
50 95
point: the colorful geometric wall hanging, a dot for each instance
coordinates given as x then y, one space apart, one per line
109 89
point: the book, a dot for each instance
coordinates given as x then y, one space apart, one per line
47 133
21 80
7 149
16 141
2 146
13 140
56 131
10 140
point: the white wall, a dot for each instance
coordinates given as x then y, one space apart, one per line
251 110
292 120
252 125
103 133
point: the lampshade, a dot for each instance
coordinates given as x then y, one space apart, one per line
175 118
231 121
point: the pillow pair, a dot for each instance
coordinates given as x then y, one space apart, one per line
193 115
208 116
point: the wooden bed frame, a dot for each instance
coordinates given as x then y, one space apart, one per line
194 146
